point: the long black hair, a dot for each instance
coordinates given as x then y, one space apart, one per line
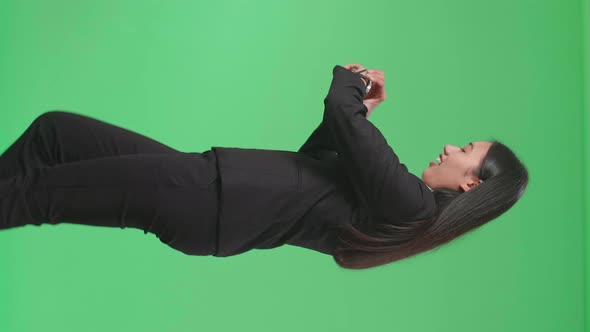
504 181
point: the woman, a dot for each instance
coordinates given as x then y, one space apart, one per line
344 192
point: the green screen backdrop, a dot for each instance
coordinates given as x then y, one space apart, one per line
179 71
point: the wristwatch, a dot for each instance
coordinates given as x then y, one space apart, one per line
368 82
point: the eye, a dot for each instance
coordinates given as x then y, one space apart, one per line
462 149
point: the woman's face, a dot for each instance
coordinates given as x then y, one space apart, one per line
456 167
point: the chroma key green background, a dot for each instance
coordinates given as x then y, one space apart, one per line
179 71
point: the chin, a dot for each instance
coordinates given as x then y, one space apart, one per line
426 175
422 176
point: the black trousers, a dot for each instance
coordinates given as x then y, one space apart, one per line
71 168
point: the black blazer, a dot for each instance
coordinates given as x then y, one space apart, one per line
344 173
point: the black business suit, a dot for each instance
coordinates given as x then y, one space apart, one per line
344 173
71 168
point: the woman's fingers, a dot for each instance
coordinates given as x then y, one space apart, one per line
375 76
376 79
375 73
369 73
377 92
354 67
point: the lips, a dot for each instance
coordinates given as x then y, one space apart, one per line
439 161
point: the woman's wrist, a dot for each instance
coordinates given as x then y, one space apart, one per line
370 107
364 80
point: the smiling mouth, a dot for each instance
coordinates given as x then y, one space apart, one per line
436 163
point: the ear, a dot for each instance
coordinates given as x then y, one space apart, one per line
468 186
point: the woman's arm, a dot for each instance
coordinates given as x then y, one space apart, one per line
319 144
384 184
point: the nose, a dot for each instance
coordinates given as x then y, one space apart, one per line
449 147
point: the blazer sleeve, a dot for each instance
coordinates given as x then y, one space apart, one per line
319 144
384 185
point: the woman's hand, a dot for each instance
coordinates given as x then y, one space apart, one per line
355 67
377 93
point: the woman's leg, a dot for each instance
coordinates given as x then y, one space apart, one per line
71 168
57 137
172 195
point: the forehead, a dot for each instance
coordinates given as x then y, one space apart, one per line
479 146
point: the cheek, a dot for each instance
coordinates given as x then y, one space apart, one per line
448 168
458 162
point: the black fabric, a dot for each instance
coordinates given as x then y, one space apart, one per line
275 197
225 201
345 173
70 168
